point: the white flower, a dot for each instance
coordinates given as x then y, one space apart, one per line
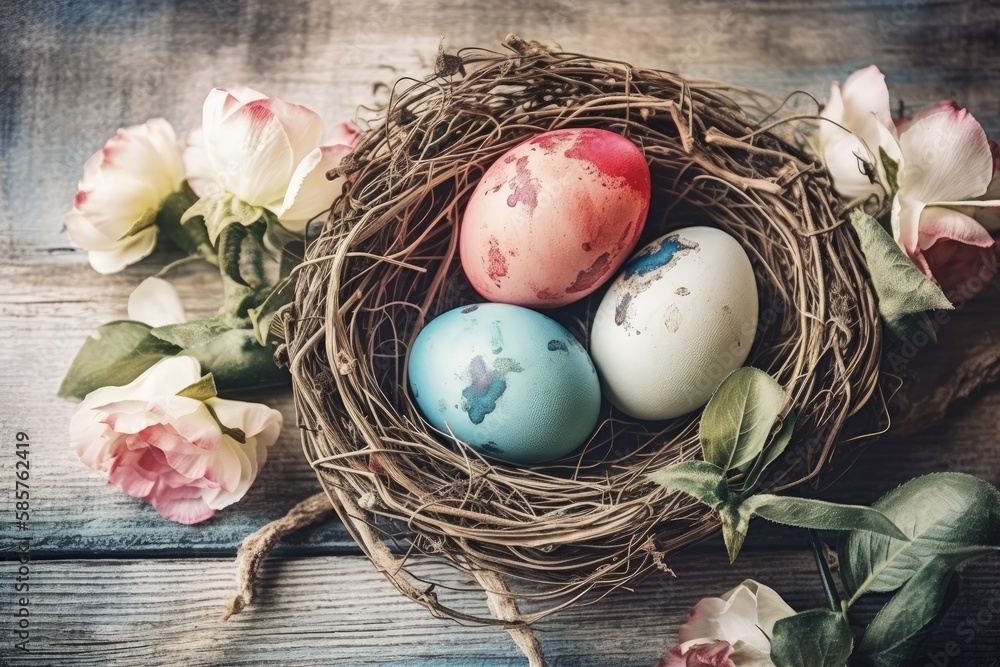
265 152
123 184
732 631
155 302
170 450
857 123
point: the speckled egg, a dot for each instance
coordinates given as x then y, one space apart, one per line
555 217
512 383
676 321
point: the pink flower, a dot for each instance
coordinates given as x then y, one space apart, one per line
170 450
732 631
266 152
946 166
123 186
945 187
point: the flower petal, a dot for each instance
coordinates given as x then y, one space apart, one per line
905 220
344 134
770 607
961 270
946 157
183 504
131 251
303 126
703 621
858 123
845 158
866 96
155 302
738 620
251 155
310 191
937 222
200 172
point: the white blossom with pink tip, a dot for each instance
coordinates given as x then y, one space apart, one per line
266 152
124 183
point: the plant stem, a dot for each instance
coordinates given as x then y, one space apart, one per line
829 586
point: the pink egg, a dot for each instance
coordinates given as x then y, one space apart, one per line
555 217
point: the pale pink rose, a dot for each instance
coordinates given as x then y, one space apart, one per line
711 654
945 186
946 167
267 153
170 450
123 183
731 631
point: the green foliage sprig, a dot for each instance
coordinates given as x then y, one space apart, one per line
909 543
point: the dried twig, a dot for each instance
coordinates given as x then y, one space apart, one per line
258 545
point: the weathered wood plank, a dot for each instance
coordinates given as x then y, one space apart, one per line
101 65
48 310
339 611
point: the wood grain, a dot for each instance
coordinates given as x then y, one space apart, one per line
339 611
73 72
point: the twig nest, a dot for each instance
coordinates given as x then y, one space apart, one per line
387 262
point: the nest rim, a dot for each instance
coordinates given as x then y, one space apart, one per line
614 527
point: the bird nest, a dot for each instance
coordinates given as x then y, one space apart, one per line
386 263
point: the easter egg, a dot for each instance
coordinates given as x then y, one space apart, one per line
679 318
555 217
511 382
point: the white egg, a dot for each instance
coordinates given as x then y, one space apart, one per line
676 321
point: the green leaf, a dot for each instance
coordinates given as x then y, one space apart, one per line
198 332
735 525
938 512
275 237
241 262
901 287
900 628
738 419
768 456
262 316
237 434
239 363
115 354
814 638
145 221
819 514
891 171
202 390
220 210
699 479
191 237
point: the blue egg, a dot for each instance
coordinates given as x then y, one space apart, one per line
512 383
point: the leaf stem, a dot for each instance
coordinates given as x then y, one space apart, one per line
829 586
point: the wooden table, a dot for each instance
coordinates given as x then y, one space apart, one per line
114 584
